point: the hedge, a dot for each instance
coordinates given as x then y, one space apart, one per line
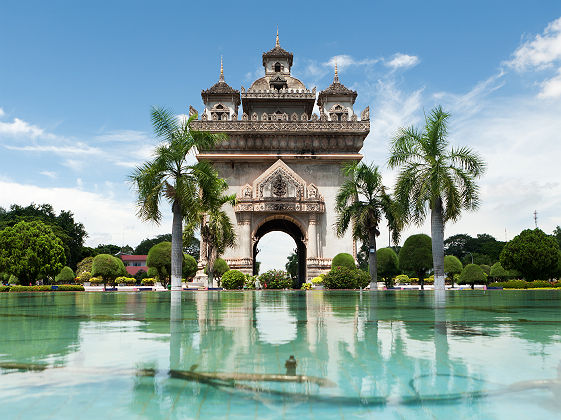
523 284
70 288
4 288
233 279
343 260
18 288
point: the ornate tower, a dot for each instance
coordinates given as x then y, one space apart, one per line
221 101
284 162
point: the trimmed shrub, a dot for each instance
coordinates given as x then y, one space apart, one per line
159 257
415 255
306 286
233 279
486 269
275 279
516 284
471 274
125 280
318 280
539 284
341 278
430 279
96 280
402 278
343 260
66 275
148 281
452 265
71 288
387 265
84 276
108 267
189 267
362 278
4 288
496 284
18 288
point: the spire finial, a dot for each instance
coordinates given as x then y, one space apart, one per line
221 71
277 42
336 77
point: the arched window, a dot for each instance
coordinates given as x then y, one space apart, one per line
277 67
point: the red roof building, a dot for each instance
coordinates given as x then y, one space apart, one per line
134 263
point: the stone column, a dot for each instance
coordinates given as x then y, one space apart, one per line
312 236
244 239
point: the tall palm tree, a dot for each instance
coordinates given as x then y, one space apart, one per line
433 177
362 200
170 175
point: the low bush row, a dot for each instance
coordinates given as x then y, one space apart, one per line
44 288
523 284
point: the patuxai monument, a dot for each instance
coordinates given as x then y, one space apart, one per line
283 161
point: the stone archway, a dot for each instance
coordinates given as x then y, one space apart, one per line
294 230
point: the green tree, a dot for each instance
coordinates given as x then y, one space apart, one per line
532 253
140 275
486 268
30 250
220 267
343 259
108 267
292 265
110 249
362 201
388 265
498 273
170 175
84 266
434 178
65 276
189 267
159 257
557 235
472 274
452 266
63 225
416 256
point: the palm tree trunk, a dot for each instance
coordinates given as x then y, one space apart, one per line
176 247
437 234
372 261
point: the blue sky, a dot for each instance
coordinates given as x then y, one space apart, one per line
77 80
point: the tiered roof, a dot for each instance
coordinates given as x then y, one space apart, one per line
336 89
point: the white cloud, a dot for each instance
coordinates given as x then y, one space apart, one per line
20 128
106 220
123 136
49 174
540 52
78 148
402 61
2 113
551 88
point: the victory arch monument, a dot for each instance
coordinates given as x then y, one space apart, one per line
283 161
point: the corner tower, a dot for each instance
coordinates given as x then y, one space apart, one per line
284 162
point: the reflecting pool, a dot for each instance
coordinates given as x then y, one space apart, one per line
191 355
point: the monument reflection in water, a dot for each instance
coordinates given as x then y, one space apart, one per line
181 355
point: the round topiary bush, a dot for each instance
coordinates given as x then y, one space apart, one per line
343 260
471 274
275 279
341 278
148 281
233 279
65 276
189 267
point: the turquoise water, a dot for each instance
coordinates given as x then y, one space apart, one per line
388 355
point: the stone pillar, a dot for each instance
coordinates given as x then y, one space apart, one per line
244 240
312 236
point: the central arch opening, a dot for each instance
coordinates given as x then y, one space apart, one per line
295 232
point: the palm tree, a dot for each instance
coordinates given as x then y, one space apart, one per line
362 200
170 175
433 177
